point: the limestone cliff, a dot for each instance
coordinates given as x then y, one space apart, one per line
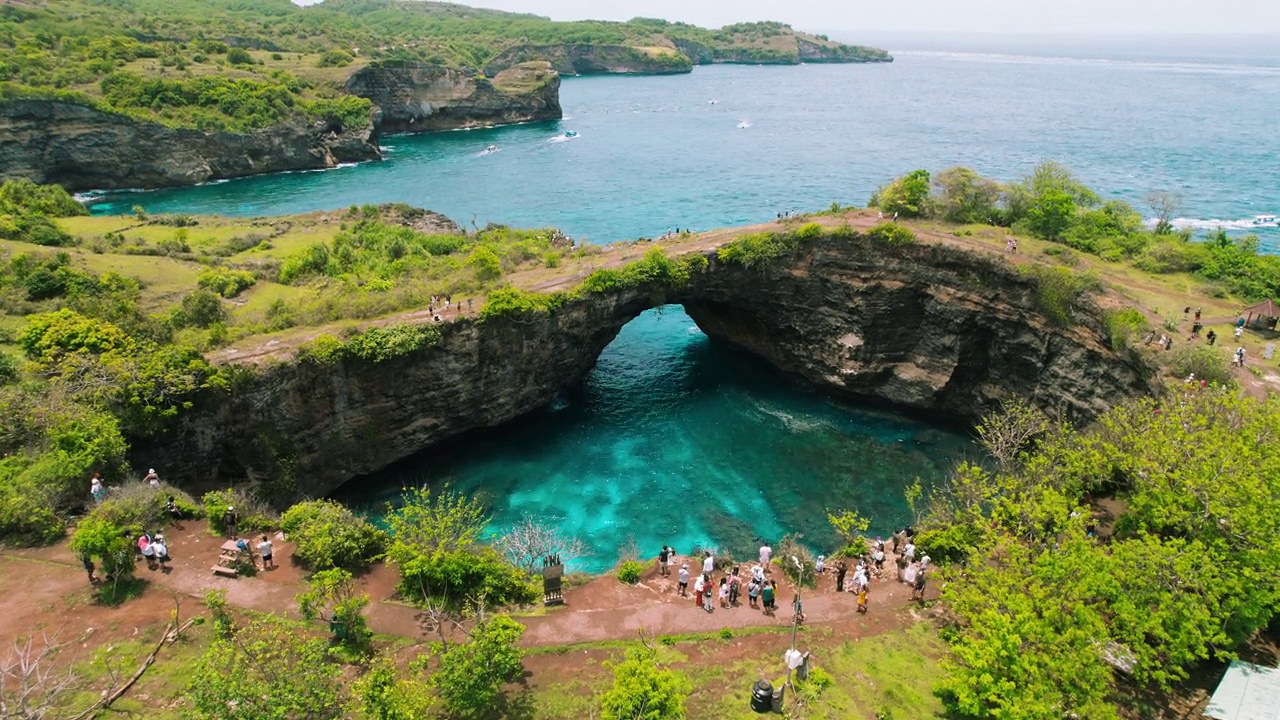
421 97
588 59
928 327
79 147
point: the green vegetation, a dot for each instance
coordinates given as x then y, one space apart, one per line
471 674
629 572
331 596
1058 290
27 209
644 689
329 535
1051 204
153 60
1046 611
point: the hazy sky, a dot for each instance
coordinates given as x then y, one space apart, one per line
1000 16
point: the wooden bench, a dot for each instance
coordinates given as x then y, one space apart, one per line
230 556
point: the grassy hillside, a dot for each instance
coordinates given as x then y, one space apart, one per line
241 64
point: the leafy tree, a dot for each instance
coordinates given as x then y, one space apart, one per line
1050 214
486 263
964 196
850 526
644 690
110 543
331 596
907 195
267 671
385 695
471 674
1008 433
328 534
201 308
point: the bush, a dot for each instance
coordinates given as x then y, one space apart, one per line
950 544
471 674
643 690
892 234
26 520
200 308
335 58
487 264
227 283
1124 326
629 572
1057 290
907 196
757 250
255 516
1208 363
514 304
790 547
239 56
109 543
139 507
329 535
8 368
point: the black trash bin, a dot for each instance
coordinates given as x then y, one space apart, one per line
762 696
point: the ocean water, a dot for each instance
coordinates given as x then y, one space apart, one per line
673 439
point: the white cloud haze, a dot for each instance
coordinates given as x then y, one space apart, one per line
995 16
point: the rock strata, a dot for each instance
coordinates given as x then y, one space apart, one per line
81 148
926 327
588 59
421 97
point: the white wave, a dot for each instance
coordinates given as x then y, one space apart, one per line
1207 68
91 196
790 422
1257 222
745 124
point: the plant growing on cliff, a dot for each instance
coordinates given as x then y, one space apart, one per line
907 196
1057 290
757 250
514 304
892 234
327 534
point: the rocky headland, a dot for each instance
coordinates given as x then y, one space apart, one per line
421 97
588 59
928 327
82 148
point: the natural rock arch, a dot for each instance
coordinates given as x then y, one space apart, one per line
924 326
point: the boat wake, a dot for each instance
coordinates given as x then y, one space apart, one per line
744 124
1257 222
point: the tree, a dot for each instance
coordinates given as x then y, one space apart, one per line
849 525
471 674
267 671
907 195
964 196
385 695
201 308
96 537
1164 205
35 682
1009 432
644 690
532 538
328 534
1046 179
486 262
331 596
1050 214
426 521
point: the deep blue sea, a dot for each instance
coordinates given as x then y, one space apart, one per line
673 439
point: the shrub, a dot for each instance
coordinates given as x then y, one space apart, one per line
255 516
487 264
200 308
790 547
1208 363
139 507
8 368
1124 326
26 519
330 535
809 231
892 234
336 57
111 544
644 690
331 596
756 250
227 283
629 572
471 674
514 304
239 56
907 195
22 197
1057 290
950 544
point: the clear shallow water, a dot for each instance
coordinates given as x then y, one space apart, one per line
677 440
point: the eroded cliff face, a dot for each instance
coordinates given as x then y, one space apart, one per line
421 97
927 327
588 59
82 148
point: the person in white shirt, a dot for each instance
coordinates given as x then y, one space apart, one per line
160 549
910 552
708 563
264 549
152 478
766 554
820 566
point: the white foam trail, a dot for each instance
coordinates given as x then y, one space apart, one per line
745 124
1257 222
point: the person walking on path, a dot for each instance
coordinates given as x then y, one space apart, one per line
753 592
264 549
161 551
87 562
684 580
710 586
768 597
766 555
917 590
96 490
724 592
230 519
735 588
145 546
841 569
864 589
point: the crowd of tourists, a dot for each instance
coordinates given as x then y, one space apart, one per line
708 585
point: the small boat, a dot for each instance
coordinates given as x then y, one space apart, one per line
1265 220
713 101
491 150
571 133
744 125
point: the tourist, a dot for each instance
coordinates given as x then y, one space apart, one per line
230 519
766 555
918 588
664 556
864 589
899 541
902 568
96 490
924 563
264 549
1197 314
724 592
1239 357
708 563
797 609
699 587
841 569
767 597
909 575
87 562
879 560
735 588
820 565
1239 331
148 552
684 580
152 478
753 592
910 552
1212 337
175 513
160 549
710 592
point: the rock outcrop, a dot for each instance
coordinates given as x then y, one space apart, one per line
81 148
588 59
927 327
421 97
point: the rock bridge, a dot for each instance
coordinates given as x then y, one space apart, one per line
927 326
